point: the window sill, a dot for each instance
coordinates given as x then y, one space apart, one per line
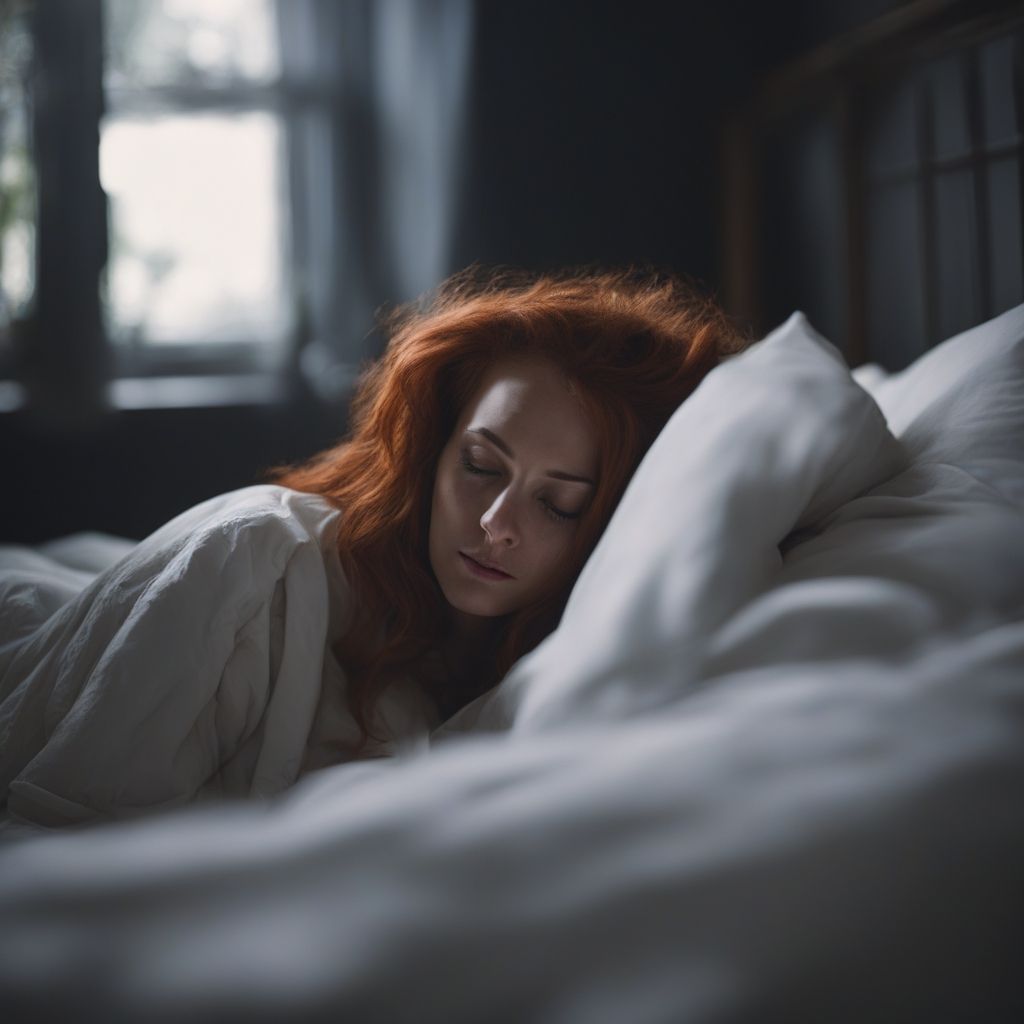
130 394
13 397
134 393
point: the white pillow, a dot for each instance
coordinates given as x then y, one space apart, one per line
962 403
775 438
935 551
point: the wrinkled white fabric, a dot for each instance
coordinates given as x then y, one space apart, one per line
837 843
197 664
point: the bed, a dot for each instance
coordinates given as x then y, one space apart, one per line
769 767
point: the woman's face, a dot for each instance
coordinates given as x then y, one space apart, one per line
512 482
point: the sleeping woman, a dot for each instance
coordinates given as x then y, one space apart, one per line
488 448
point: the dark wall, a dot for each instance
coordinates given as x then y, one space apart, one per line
130 471
595 130
593 138
593 133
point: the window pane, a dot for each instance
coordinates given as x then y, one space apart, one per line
896 313
1005 234
997 92
189 42
17 176
892 136
946 80
956 245
196 251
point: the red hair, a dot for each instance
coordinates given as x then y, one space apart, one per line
634 345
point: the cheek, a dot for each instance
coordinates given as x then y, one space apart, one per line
455 501
551 555
438 506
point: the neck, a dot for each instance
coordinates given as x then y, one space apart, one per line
469 640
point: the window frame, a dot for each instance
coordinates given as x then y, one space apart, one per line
68 362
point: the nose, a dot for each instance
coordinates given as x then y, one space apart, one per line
500 523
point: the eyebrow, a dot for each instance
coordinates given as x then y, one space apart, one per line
556 474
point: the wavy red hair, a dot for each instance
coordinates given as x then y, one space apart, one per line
633 345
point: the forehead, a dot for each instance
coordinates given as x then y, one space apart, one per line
530 404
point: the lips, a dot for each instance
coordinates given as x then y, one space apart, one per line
488 570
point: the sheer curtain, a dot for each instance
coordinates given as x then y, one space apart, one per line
376 147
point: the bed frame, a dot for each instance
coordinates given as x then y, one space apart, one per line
878 182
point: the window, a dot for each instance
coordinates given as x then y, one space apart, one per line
193 164
164 166
195 211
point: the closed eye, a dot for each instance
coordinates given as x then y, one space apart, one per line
551 510
557 513
472 467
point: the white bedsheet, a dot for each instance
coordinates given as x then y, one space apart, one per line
793 790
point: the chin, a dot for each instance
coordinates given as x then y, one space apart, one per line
481 608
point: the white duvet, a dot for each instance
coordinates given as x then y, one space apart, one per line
769 767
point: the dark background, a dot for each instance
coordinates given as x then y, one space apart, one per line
594 138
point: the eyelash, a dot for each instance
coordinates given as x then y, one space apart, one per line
555 513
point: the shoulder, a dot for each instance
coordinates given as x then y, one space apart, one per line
248 535
260 509
262 503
